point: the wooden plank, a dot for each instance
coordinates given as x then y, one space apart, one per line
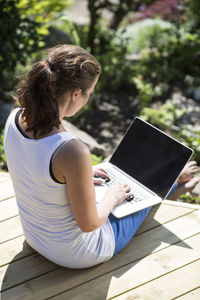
30 268
13 250
194 295
8 209
10 229
136 258
163 236
161 214
6 190
10 249
169 286
142 273
4 176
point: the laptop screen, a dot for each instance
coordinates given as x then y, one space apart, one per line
151 157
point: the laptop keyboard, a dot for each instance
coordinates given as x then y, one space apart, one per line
139 193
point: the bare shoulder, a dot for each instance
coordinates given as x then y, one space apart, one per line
74 149
74 155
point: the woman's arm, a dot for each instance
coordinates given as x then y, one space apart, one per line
72 165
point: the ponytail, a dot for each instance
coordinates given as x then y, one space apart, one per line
36 94
67 67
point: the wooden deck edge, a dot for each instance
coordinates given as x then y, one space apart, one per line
182 204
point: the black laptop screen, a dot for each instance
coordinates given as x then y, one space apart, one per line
151 157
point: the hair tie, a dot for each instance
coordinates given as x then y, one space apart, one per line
51 65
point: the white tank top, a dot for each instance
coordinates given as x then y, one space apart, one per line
46 216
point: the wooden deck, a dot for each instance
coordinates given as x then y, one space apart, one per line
161 262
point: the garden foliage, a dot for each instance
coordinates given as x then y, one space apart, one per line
167 118
3 165
24 24
150 54
150 51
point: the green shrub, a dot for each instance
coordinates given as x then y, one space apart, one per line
111 50
191 138
164 117
189 198
75 33
96 159
3 165
24 25
146 34
147 91
163 54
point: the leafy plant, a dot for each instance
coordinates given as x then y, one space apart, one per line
189 198
145 90
96 159
191 138
147 34
23 35
163 54
3 165
111 51
164 117
192 13
120 10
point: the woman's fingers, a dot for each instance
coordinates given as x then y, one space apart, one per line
126 188
127 191
99 181
102 173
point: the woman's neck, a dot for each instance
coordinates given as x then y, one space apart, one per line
23 125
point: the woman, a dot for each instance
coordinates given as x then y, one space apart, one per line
52 171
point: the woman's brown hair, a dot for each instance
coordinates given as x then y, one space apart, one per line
66 68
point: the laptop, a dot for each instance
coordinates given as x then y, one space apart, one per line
149 161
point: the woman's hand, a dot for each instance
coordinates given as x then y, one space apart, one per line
100 176
115 194
118 192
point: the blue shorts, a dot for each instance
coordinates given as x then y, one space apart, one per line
125 228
